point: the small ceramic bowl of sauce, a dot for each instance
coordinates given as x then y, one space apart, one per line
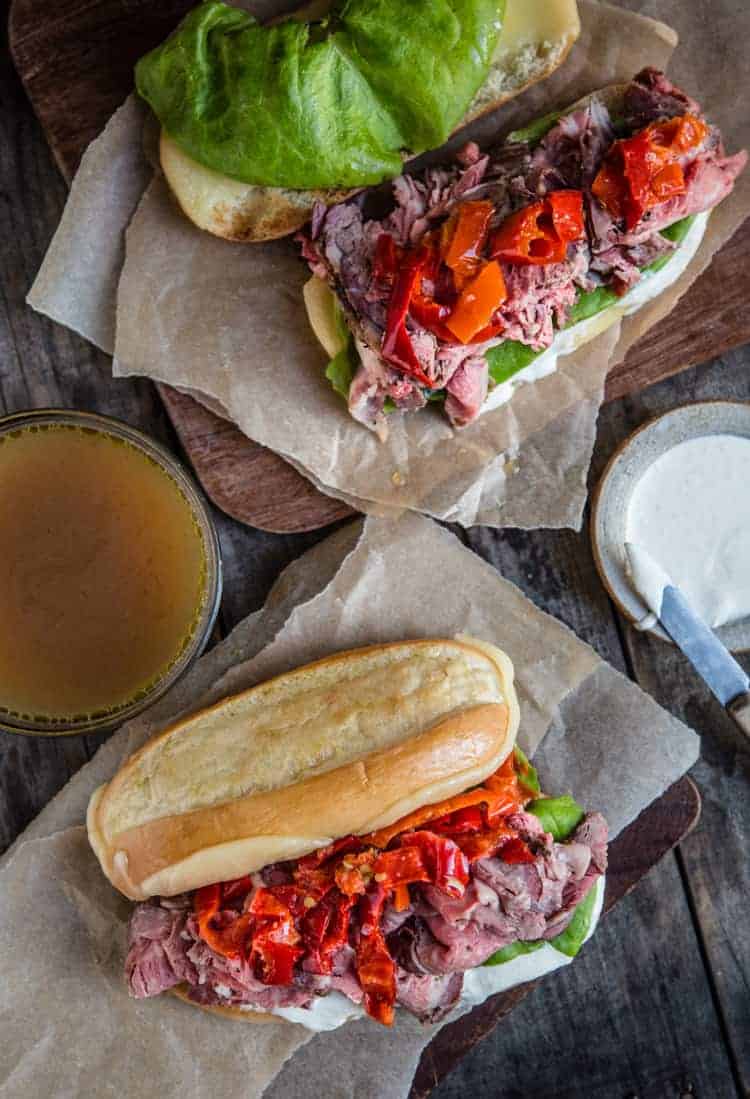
111 572
678 487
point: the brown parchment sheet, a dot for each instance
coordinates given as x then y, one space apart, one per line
69 1027
226 321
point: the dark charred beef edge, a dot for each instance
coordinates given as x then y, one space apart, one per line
342 238
433 942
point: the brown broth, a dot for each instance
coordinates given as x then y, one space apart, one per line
102 572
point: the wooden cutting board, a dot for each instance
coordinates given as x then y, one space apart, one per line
76 57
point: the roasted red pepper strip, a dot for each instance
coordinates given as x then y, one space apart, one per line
386 260
325 929
376 969
230 940
275 940
465 235
642 171
432 316
397 348
477 302
540 233
446 865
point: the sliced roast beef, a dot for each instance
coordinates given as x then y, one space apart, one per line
157 958
466 390
537 299
708 179
504 902
428 997
571 153
650 96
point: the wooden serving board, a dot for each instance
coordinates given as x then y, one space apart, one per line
76 57
639 847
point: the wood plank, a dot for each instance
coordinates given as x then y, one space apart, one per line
582 1032
713 861
236 473
77 65
635 1009
43 364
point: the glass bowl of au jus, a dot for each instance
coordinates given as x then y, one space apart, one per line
111 572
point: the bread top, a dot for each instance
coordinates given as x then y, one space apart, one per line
536 38
347 744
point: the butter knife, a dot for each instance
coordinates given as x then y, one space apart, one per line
713 662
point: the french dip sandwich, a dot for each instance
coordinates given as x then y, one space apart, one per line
486 270
355 835
261 123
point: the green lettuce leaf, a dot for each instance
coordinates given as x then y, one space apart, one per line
341 369
508 953
591 302
571 939
560 816
527 772
328 104
511 356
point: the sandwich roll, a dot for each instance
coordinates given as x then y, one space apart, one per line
349 744
536 37
482 273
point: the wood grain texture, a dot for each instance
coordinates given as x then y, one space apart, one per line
76 65
632 855
656 1006
634 1016
247 481
713 862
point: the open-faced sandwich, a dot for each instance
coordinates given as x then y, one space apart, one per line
354 836
261 122
483 272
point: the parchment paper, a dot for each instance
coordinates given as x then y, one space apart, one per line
226 322
69 1028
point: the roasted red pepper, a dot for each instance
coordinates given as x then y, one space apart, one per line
540 233
325 929
386 260
464 236
230 939
477 303
376 969
446 865
642 171
397 347
276 943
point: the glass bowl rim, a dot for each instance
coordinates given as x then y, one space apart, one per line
110 425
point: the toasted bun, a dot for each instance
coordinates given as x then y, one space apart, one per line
230 1011
537 37
348 744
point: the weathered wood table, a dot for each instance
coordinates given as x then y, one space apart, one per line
659 1003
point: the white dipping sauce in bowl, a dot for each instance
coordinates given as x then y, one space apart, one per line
691 510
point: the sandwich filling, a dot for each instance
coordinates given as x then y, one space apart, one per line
396 917
474 269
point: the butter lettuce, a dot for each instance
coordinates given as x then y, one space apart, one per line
327 104
560 816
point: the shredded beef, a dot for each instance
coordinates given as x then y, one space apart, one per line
341 242
433 942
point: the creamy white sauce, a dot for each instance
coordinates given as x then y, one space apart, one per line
333 1010
650 285
691 512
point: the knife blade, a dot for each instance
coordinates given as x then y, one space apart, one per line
713 662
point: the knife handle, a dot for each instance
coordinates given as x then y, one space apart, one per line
739 711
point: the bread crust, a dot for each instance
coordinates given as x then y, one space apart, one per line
158 851
246 213
230 1011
